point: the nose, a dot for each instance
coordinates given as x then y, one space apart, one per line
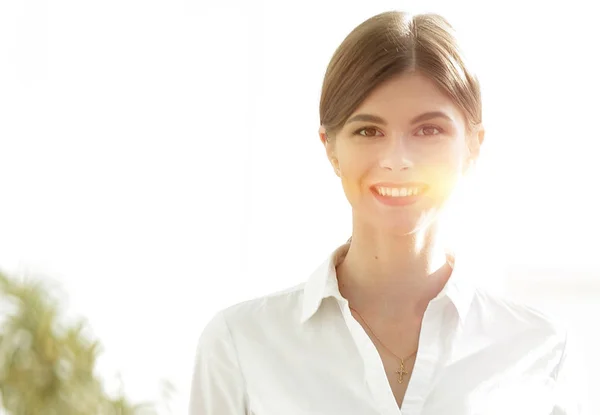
396 154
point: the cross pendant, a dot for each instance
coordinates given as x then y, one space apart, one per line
401 372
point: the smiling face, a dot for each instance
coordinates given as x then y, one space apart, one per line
401 153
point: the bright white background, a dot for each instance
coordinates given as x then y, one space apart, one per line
160 159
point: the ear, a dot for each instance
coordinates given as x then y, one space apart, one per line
329 144
474 143
323 136
479 136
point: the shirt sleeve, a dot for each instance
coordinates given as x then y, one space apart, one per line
572 384
218 386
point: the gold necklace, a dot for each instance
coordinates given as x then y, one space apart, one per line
401 372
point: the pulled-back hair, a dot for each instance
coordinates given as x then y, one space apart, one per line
390 44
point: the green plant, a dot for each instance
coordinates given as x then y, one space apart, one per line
47 366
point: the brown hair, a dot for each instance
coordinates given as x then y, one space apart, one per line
389 44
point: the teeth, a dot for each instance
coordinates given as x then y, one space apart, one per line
398 192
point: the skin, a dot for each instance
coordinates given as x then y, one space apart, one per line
396 262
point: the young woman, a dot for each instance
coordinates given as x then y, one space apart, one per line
389 324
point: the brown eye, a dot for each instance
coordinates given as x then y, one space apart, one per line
429 130
367 132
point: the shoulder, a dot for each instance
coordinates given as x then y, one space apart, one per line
268 311
506 314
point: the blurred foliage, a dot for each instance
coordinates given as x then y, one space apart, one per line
47 366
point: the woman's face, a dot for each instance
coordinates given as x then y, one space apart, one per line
401 153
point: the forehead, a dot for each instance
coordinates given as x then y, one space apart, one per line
407 95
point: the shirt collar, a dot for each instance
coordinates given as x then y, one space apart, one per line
323 283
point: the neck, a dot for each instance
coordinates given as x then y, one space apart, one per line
393 275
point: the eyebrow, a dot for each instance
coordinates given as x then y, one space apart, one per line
419 118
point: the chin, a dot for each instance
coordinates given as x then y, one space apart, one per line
398 224
396 220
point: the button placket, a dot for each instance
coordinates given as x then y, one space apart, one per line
376 378
431 353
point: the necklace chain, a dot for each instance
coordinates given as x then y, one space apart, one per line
402 370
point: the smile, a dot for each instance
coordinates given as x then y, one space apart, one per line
403 191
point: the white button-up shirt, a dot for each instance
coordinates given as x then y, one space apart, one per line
300 351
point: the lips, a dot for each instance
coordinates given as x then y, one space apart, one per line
399 194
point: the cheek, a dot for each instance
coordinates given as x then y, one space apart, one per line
355 170
354 165
443 176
